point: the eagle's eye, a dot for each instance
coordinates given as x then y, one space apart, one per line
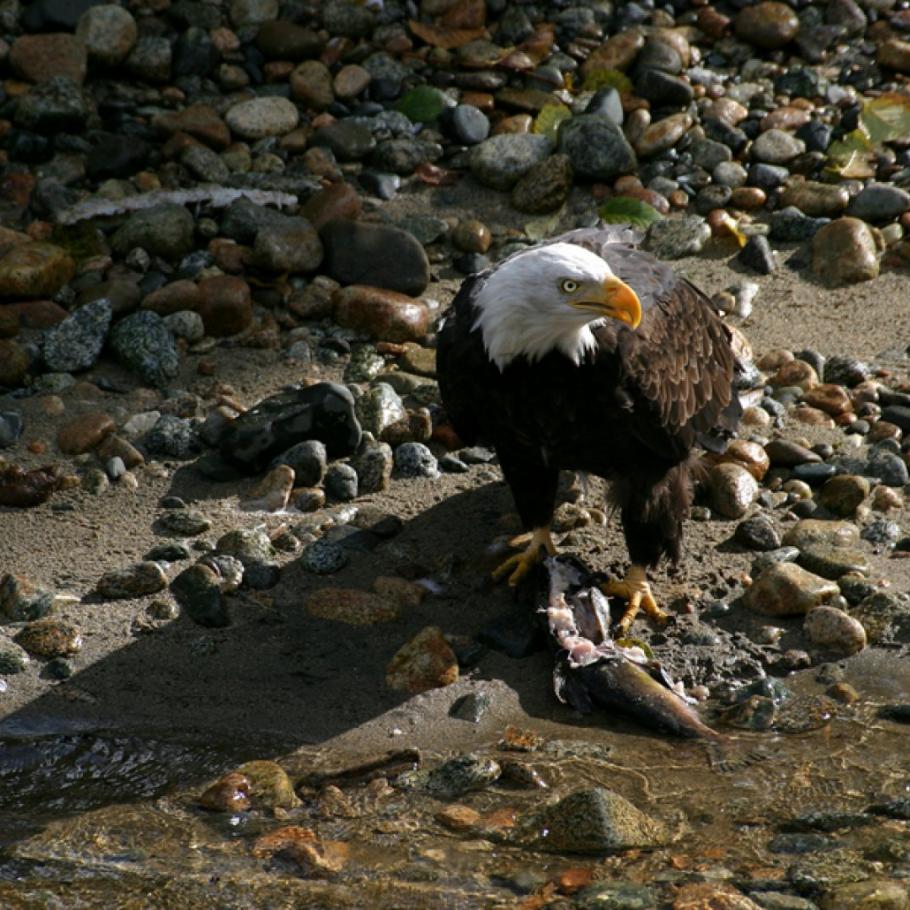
568 285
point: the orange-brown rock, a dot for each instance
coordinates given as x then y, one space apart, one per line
84 433
225 305
384 315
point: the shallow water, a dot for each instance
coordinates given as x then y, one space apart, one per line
89 819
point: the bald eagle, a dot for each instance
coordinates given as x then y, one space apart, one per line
584 353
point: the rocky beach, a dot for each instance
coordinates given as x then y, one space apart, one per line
250 651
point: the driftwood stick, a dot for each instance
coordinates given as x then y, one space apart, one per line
218 196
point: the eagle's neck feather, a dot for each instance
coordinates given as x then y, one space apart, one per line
507 339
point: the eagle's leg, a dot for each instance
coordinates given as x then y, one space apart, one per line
517 566
654 499
637 592
533 487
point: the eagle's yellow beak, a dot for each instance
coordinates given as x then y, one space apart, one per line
616 300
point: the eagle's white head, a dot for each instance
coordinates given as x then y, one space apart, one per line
548 298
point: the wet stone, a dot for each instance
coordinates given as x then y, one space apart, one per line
767 25
830 627
34 269
425 662
845 252
348 141
812 532
134 581
198 591
874 894
615 896
184 522
322 557
732 490
785 589
461 775
842 495
757 533
168 552
592 821
833 561
228 794
471 707
814 198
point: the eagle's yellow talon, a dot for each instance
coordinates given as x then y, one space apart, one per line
635 589
518 565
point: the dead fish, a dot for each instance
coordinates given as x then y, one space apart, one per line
592 668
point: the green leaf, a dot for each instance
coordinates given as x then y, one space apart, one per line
547 121
887 117
627 210
852 156
596 79
422 104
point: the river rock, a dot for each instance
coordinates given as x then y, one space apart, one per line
845 252
873 894
21 599
273 491
184 522
500 161
373 463
259 118
777 147
173 437
732 490
270 787
543 188
75 344
164 230
35 269
198 590
895 54
324 411
375 255
143 343
832 561
757 533
49 638
592 821
879 202
351 606
311 84
811 531
414 459
134 581
425 662
225 305
108 32
785 589
829 627
785 453
842 495
291 245
816 198
673 238
767 25
383 314
596 147
84 433
39 58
